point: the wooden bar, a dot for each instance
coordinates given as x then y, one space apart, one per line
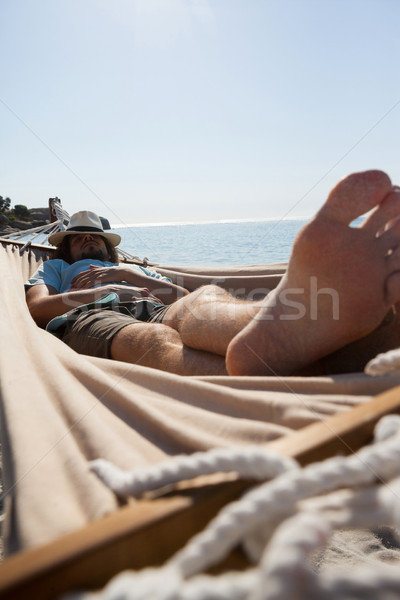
343 433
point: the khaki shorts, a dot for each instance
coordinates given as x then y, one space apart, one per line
90 328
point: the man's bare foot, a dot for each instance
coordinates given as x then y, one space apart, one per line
340 282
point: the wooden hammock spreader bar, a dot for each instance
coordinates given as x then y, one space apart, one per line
21 244
148 532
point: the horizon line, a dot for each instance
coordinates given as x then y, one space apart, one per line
207 222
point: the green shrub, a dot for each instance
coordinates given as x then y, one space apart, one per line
5 204
21 212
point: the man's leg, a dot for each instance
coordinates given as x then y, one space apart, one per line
160 347
340 282
209 318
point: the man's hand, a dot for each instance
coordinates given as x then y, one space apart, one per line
108 278
97 276
128 293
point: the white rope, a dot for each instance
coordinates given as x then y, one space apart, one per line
277 499
283 552
248 462
153 584
387 363
286 562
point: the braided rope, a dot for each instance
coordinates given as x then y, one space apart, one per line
384 364
249 462
361 490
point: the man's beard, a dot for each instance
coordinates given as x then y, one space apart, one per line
95 254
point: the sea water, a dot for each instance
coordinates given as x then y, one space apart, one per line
212 244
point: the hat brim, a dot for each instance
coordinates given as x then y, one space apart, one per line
56 238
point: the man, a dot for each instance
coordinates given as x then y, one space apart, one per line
208 331
118 310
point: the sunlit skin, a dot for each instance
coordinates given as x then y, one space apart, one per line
361 265
87 245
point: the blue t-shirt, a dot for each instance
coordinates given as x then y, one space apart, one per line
59 274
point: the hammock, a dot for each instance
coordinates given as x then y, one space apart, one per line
67 527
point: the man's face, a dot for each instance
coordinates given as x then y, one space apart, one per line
87 245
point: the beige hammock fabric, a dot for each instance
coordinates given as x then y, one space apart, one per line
60 409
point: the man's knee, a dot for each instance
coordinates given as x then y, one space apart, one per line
212 289
208 293
136 342
191 306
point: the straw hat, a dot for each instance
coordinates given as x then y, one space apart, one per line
84 221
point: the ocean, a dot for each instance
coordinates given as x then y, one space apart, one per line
212 244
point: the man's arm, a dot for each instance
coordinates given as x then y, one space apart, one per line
45 303
165 291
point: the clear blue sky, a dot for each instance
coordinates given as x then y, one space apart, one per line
191 110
